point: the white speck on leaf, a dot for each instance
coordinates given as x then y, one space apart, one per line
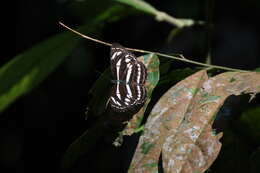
207 86
192 132
171 163
189 95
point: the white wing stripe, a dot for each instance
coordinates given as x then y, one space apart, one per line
138 73
117 91
128 73
115 54
129 92
116 102
118 64
127 99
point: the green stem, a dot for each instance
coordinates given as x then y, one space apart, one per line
180 23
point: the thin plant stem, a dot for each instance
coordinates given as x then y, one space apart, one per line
157 53
160 15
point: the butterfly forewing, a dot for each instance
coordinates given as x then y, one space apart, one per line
128 92
122 63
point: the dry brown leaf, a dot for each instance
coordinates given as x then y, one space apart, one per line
179 126
168 112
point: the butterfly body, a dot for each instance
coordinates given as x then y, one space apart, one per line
128 92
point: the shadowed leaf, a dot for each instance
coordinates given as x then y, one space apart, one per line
250 120
100 94
257 69
84 143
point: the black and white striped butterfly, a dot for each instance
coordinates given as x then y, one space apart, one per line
128 92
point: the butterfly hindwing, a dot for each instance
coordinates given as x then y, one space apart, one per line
126 97
139 73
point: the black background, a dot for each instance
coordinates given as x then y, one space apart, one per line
36 130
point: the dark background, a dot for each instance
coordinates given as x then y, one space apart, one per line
36 130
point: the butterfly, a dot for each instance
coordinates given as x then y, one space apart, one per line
128 93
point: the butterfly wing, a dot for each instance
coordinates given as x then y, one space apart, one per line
127 97
128 92
121 63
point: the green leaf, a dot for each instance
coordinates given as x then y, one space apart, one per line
87 10
27 70
257 69
140 5
159 15
165 67
173 33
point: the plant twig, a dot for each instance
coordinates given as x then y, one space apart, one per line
160 15
84 36
180 23
157 53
